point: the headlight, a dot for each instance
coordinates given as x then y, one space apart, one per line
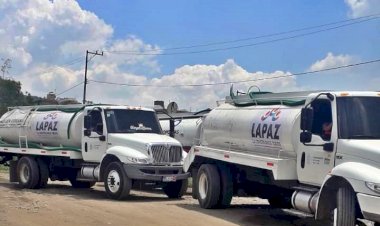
373 186
137 160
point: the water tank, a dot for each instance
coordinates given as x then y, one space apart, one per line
51 128
270 130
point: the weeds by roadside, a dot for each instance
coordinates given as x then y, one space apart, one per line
4 168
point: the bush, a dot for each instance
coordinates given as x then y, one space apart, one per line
4 168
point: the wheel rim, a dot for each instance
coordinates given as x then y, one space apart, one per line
113 181
24 174
203 186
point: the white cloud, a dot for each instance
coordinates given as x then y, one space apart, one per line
38 35
195 97
41 34
332 60
360 8
362 77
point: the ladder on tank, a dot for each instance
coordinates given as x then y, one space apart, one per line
22 137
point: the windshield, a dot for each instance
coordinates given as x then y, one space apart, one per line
359 117
131 121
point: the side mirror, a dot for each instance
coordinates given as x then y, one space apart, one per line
87 122
102 138
87 132
307 119
99 128
305 137
328 147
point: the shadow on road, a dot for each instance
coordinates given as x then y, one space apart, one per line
243 214
95 193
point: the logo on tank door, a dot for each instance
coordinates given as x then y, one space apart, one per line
274 114
266 132
48 125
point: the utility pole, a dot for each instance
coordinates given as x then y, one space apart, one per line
85 72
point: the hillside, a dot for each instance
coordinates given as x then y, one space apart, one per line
11 95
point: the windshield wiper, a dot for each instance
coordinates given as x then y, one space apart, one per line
362 136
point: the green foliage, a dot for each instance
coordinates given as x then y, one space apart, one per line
4 168
10 94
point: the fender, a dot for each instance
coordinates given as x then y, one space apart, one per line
357 171
188 159
349 173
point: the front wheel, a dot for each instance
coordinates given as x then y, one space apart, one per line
344 213
208 181
175 190
116 181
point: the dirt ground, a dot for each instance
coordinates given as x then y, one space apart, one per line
60 204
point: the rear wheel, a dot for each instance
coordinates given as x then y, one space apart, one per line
175 190
44 173
116 181
208 181
226 187
28 172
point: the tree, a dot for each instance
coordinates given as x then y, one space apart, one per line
6 66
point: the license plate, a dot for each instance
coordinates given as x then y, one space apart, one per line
169 178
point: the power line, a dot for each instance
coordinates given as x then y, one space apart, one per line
239 81
62 92
152 52
53 68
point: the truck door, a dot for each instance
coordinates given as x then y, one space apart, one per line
314 160
94 141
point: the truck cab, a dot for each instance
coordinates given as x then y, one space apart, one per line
347 154
133 137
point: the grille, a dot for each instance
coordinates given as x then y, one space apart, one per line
166 154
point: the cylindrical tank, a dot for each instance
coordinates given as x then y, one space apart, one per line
270 130
185 131
51 128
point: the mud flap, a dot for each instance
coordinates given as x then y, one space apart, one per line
13 171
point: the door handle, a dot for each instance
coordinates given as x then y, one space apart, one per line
303 160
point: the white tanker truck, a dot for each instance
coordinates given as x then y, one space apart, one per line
318 152
119 145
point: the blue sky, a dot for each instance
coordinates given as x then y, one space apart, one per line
47 41
181 23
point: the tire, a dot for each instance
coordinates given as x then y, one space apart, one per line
175 190
81 184
226 188
28 174
344 213
194 190
44 173
208 191
116 181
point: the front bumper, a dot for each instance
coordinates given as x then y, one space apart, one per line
370 206
155 173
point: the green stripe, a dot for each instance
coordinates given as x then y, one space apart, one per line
38 146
